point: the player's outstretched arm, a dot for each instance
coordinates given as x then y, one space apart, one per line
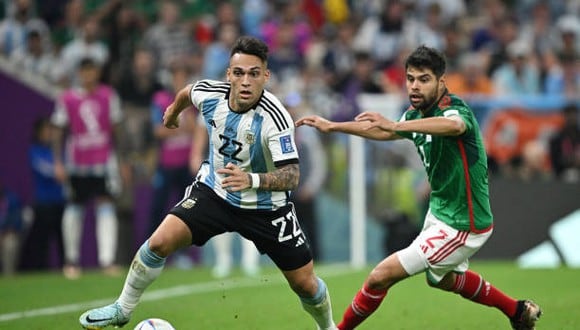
180 103
443 126
359 128
283 178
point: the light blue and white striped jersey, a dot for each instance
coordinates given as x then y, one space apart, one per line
257 141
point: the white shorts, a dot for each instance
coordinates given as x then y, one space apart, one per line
440 249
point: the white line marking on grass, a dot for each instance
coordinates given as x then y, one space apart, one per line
176 291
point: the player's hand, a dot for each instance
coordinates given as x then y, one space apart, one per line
375 119
235 179
317 122
171 117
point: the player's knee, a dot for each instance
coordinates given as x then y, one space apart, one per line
304 286
380 279
160 245
445 284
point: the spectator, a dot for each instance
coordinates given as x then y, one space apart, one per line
87 45
519 76
138 83
454 44
168 40
494 38
565 147
70 26
226 13
393 77
384 36
216 57
48 204
290 15
568 45
338 59
450 9
428 30
538 30
253 13
562 75
124 33
360 80
10 230
286 59
91 114
34 58
471 79
15 27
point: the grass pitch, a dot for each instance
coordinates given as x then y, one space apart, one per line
193 300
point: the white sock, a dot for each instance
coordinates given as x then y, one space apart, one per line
145 268
107 233
9 247
250 256
223 251
72 230
319 307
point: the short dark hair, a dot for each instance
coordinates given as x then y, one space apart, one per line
88 62
427 58
250 46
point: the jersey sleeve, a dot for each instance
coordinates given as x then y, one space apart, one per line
195 94
282 145
465 114
207 89
281 138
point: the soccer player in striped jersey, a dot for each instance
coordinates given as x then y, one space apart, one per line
459 220
242 187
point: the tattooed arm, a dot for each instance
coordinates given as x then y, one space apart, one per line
283 178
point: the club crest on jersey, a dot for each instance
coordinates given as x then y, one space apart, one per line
188 203
286 143
250 137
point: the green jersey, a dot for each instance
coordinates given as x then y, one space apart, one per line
456 167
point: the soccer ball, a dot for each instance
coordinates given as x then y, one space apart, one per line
154 324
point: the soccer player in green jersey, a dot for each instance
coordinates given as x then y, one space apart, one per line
459 220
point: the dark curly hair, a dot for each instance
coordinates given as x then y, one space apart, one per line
427 58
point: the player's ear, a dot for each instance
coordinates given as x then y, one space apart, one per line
267 74
228 74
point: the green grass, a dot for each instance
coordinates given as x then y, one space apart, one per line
196 301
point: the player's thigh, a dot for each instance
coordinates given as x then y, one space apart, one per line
440 249
277 234
204 213
388 272
171 235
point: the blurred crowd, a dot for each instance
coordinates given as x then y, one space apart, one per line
326 52
323 55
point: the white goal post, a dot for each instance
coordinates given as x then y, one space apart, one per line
389 106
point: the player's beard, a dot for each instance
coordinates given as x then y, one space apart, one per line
427 100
